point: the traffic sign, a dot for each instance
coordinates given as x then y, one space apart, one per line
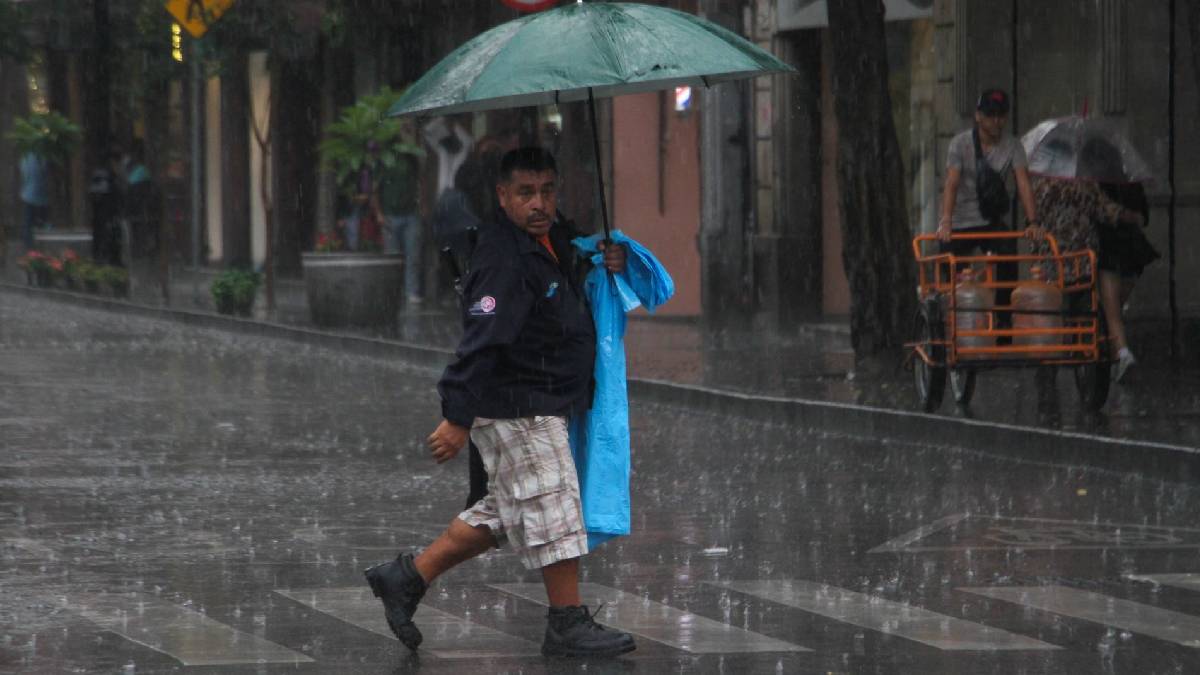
197 15
529 5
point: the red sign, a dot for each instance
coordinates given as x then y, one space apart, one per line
529 5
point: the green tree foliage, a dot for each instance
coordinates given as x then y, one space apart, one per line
361 126
14 21
48 135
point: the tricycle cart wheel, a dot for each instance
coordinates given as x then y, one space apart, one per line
962 383
930 378
1092 379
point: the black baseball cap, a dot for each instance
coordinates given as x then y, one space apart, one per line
993 102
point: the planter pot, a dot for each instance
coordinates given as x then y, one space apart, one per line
234 306
57 243
91 286
43 278
353 289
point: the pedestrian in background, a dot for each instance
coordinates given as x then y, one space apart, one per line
986 147
141 208
398 195
35 199
1082 214
104 189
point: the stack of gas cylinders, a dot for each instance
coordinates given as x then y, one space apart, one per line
1036 306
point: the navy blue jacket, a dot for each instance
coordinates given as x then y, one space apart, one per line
529 344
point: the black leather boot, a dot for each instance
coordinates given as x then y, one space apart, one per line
400 587
573 631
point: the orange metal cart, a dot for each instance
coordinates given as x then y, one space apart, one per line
941 345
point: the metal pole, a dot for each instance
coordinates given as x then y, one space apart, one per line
1016 80
1171 186
599 165
197 157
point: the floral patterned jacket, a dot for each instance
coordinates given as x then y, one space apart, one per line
1071 210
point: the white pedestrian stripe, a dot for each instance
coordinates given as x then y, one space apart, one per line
661 623
446 636
181 633
893 618
1188 581
1135 617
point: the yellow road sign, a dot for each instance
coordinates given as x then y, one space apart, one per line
197 15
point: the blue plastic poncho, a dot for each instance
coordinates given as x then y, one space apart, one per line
600 438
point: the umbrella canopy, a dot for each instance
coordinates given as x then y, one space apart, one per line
580 51
1085 148
585 49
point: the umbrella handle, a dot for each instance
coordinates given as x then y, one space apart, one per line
599 167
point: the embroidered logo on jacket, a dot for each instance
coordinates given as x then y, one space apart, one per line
485 306
550 291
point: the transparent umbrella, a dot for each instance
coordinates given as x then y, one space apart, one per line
1085 148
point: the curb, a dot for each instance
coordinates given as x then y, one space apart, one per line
418 354
1031 444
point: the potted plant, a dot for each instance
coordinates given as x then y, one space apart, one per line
71 265
40 269
357 285
90 276
116 278
233 291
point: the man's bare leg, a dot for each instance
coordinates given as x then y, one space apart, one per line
571 629
562 583
459 543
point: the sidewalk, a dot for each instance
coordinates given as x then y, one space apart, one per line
1159 403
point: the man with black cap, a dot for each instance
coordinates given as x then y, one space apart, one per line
971 203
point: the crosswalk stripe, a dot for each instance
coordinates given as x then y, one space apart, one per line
446 636
893 618
181 633
661 623
1188 581
1135 617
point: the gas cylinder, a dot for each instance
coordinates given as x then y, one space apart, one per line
1036 294
970 295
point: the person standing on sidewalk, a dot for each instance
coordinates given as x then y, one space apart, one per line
525 364
105 192
962 210
35 201
399 198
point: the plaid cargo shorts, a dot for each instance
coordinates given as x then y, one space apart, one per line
534 491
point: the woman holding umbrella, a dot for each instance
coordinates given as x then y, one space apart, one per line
1080 212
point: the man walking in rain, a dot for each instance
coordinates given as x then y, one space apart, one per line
524 366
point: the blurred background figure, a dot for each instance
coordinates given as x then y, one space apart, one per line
35 201
141 207
1093 204
104 192
398 194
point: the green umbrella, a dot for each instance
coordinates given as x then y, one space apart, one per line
579 52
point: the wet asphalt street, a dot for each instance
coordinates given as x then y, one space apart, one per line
176 499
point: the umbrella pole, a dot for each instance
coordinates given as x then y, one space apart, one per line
599 164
